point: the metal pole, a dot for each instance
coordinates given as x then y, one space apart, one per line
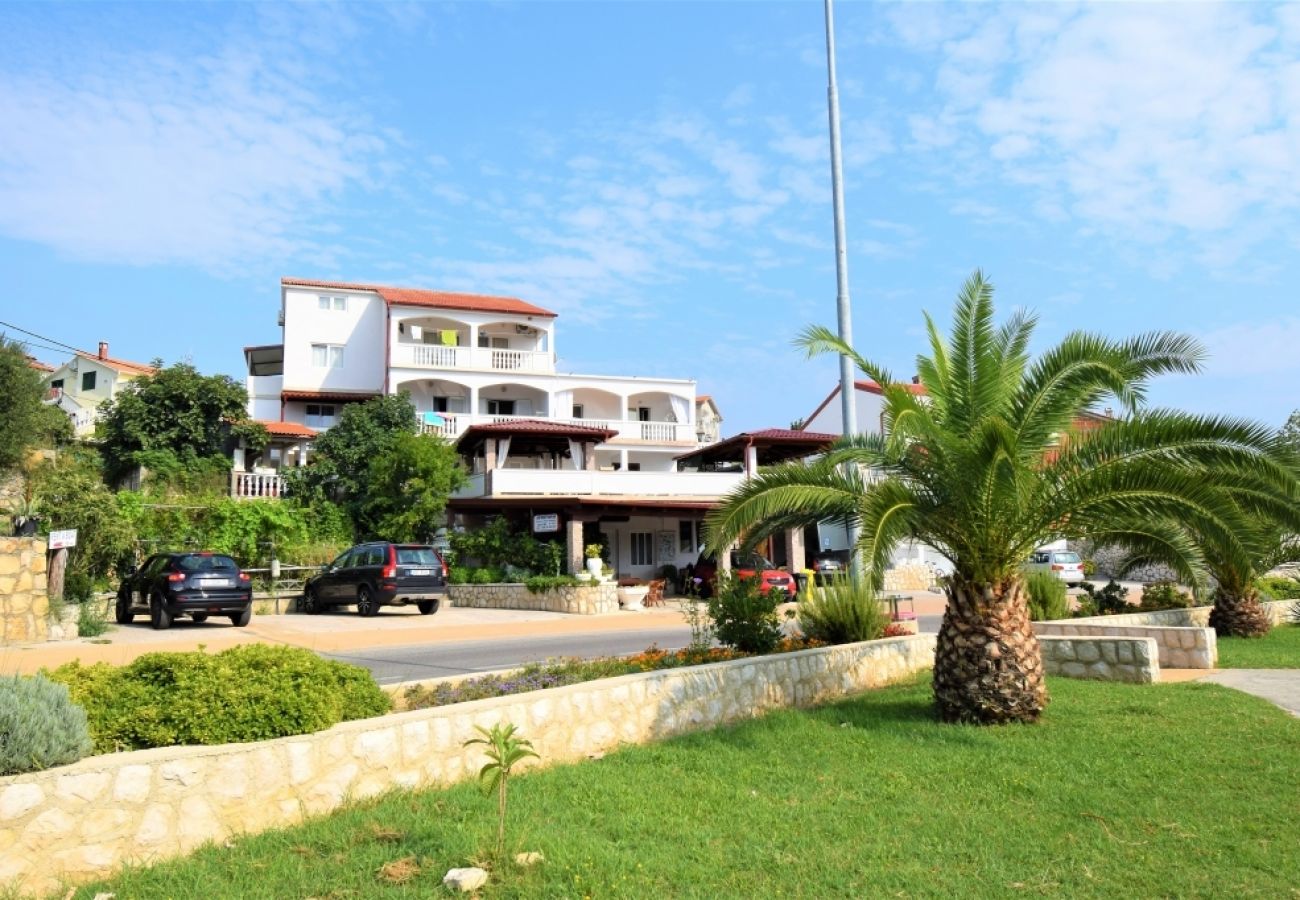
848 395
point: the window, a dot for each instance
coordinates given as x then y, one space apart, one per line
57 384
634 467
338 304
498 343
686 536
417 556
88 381
642 548
440 404
578 411
327 356
320 415
643 413
501 407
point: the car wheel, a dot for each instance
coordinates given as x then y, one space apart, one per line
240 619
309 604
366 605
428 607
123 611
198 617
159 616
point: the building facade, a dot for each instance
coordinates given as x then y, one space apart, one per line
86 381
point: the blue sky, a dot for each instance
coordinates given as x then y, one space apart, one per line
658 174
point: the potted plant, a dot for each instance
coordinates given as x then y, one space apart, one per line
25 513
594 563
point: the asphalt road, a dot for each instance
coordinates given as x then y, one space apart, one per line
391 665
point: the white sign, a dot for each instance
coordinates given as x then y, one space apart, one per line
546 522
61 539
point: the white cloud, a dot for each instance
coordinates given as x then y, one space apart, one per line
212 160
1254 348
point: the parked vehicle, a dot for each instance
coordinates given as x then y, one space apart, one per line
1064 564
196 584
744 565
378 574
826 567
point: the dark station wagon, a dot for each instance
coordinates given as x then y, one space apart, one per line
379 574
195 584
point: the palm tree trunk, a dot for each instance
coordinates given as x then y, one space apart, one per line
988 667
1239 616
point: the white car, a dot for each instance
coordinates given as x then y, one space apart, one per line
1064 564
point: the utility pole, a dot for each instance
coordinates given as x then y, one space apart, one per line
848 395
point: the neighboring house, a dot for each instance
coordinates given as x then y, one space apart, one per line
43 368
708 420
84 382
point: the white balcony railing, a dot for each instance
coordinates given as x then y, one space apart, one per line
578 483
453 425
436 356
255 486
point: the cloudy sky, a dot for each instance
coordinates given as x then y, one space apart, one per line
659 175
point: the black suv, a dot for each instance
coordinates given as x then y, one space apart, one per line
193 584
379 574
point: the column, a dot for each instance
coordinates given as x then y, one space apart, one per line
794 550
573 548
473 405
622 459
751 460
589 456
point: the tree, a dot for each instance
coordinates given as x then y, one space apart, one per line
174 422
72 494
408 486
1290 432
965 470
25 421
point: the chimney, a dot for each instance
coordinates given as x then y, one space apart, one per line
916 379
103 349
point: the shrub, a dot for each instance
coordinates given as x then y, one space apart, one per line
1164 595
458 575
843 612
540 584
77 587
1107 601
743 617
40 726
487 575
248 693
1089 568
1277 587
1047 597
90 620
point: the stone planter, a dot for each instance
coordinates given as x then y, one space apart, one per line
632 599
65 627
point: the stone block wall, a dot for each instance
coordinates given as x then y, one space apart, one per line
1131 659
24 605
83 821
908 578
586 600
1180 647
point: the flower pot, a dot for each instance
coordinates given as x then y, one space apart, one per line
595 566
633 598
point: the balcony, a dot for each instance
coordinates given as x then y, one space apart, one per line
454 425
581 483
487 359
255 486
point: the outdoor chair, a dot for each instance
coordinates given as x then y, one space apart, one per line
655 596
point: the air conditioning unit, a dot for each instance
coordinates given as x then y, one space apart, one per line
525 329
279 319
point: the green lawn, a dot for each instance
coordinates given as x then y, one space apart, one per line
1279 649
1185 790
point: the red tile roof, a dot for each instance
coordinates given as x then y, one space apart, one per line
402 296
774 445
337 396
286 429
126 367
39 366
540 426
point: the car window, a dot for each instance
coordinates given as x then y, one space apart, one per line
371 556
1039 558
157 564
198 562
1070 557
342 561
416 556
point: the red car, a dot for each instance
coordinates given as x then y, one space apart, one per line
744 565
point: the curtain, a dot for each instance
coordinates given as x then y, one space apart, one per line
681 409
417 334
563 405
503 451
575 454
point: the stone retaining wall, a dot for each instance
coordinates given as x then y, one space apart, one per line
1132 659
908 578
1180 647
24 605
83 821
586 600
1194 617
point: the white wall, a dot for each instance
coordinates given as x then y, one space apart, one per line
264 396
359 329
831 421
620 536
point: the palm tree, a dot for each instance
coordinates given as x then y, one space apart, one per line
965 470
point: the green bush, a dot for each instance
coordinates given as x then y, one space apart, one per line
90 619
1164 595
40 726
248 693
743 617
540 584
1276 587
458 575
1107 601
1047 597
487 575
843 612
495 545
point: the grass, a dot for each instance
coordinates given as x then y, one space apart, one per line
1185 790
1279 649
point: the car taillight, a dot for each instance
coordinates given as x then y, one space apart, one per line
1056 568
442 562
390 570
176 576
243 576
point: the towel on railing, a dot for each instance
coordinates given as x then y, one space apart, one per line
432 418
449 337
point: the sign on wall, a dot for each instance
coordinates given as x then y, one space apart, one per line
62 539
546 522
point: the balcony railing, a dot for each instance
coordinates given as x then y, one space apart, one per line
454 424
436 356
255 486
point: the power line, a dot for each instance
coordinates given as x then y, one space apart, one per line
42 337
